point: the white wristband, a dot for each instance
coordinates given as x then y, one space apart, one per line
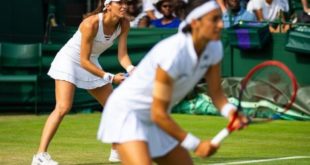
190 142
129 68
108 77
227 108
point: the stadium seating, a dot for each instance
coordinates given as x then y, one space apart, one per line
20 65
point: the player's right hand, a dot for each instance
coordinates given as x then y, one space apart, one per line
240 121
205 149
118 78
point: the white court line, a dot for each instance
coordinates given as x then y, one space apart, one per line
263 160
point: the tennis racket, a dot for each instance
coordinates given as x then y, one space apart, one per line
268 84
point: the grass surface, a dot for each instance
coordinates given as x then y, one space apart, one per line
75 142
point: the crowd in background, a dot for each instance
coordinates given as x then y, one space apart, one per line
169 13
166 13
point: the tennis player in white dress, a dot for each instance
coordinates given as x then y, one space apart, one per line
137 114
76 65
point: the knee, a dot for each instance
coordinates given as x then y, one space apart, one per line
62 109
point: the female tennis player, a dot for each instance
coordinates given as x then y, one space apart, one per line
76 65
136 115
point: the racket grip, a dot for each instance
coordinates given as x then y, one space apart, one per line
220 137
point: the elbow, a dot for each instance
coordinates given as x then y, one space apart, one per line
158 117
154 117
83 64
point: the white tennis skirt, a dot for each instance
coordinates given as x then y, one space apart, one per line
65 68
119 126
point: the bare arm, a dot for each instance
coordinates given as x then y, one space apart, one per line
150 14
222 5
215 91
162 94
89 28
305 6
123 57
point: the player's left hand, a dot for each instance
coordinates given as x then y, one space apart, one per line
118 78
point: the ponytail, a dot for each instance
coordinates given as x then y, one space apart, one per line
99 9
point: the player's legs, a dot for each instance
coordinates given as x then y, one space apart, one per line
64 92
178 156
101 94
134 152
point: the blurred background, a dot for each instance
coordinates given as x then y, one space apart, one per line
33 31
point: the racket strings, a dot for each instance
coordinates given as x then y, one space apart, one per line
270 83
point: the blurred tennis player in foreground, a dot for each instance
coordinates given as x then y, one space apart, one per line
136 116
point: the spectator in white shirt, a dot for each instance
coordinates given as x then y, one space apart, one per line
270 10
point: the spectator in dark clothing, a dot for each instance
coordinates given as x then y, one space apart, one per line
168 20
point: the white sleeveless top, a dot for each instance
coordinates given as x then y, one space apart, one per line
66 65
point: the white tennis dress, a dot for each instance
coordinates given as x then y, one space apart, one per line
126 116
66 65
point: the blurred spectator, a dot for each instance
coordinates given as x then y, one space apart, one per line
235 13
305 6
222 5
272 11
134 12
133 9
304 17
144 22
150 10
179 6
166 8
50 21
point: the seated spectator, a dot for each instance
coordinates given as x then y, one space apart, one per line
168 20
150 10
179 6
222 5
305 6
272 11
235 13
304 17
144 22
134 12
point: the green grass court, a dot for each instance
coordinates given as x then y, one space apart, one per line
75 142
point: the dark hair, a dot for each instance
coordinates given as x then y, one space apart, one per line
99 9
159 3
179 7
183 9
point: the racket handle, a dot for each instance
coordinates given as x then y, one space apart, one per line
220 137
